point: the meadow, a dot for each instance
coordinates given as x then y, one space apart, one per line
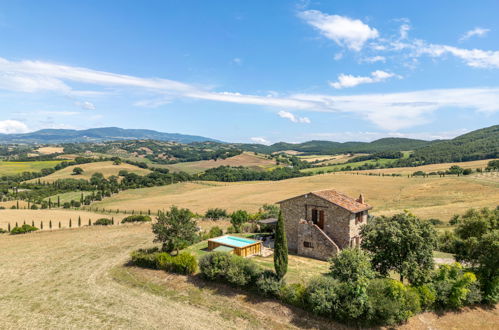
382 161
13 168
245 159
106 168
431 197
80 279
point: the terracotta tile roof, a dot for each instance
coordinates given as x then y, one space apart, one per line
342 200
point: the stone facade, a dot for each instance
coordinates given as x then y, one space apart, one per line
318 228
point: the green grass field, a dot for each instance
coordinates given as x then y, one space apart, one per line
382 161
13 168
69 196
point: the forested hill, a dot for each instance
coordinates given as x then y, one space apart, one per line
98 135
479 144
329 148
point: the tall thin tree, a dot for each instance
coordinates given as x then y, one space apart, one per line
280 249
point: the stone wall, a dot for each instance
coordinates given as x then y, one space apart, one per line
314 243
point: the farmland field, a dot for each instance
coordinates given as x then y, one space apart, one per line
50 150
78 279
382 161
426 197
106 168
333 159
245 159
13 168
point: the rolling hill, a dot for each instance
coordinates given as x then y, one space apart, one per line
98 135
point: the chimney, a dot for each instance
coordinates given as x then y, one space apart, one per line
361 199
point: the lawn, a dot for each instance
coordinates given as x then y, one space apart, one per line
13 168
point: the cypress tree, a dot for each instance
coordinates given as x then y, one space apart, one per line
89 222
50 204
58 201
33 223
79 221
24 222
17 205
50 224
59 225
17 224
8 227
112 220
280 249
69 222
41 224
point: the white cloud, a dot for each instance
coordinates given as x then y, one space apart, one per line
473 57
85 105
347 80
352 33
12 126
59 113
237 61
260 140
374 59
479 32
404 31
293 118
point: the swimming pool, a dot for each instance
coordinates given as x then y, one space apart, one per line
241 246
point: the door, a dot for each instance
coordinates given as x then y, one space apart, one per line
320 223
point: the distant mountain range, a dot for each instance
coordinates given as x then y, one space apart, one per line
98 135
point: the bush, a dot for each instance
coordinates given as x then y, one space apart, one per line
391 302
2 231
215 214
454 287
269 284
238 218
22 229
447 242
103 222
293 294
435 222
184 263
427 296
215 232
224 267
136 218
145 258
322 295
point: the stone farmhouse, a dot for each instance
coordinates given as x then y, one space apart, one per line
321 223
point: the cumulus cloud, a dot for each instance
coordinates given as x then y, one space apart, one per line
260 140
351 33
12 126
293 118
478 32
347 80
472 57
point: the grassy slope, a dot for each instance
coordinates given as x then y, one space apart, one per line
106 168
382 161
426 197
12 168
245 159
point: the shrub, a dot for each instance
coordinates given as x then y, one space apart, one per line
136 218
293 294
427 296
238 218
184 263
391 302
66 205
103 222
23 229
454 287
322 295
224 267
269 284
215 214
435 222
145 257
215 232
447 242
2 231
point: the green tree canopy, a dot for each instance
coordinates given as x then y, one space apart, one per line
77 171
401 243
238 218
175 229
280 249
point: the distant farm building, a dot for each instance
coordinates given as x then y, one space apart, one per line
243 247
321 223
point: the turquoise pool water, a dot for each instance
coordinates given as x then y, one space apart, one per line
234 241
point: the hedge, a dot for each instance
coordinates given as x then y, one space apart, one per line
136 218
23 229
184 263
103 222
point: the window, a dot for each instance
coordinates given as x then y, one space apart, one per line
308 244
358 217
315 215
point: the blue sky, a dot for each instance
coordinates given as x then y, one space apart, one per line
242 71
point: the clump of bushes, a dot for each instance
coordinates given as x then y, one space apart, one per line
136 218
23 229
215 214
232 269
103 222
184 263
2 231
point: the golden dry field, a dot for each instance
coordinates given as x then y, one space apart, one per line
50 150
245 159
106 168
55 215
13 168
326 159
433 197
79 279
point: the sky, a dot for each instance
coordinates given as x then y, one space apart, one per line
252 71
